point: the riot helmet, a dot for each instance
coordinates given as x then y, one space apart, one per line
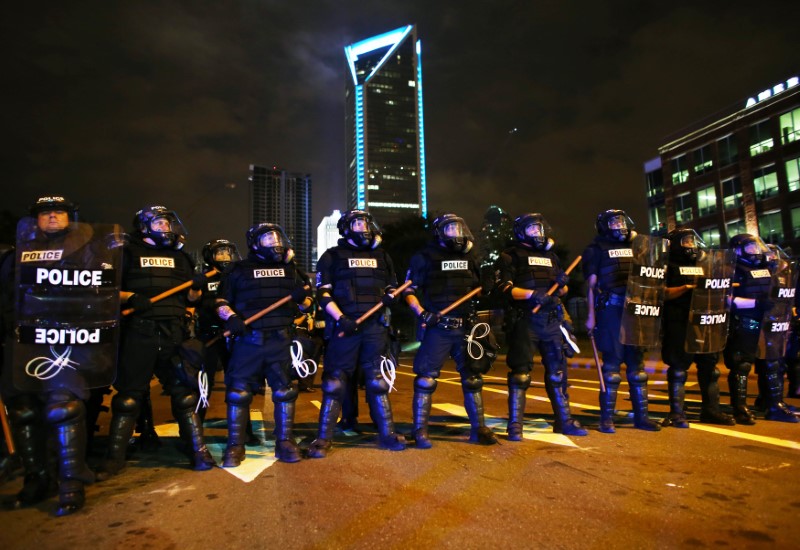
533 230
269 242
615 225
776 257
53 214
161 225
451 232
55 204
686 244
359 227
220 254
750 249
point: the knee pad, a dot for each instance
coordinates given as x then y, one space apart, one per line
333 386
472 383
126 405
611 374
555 376
637 377
238 397
552 355
425 384
286 394
63 411
23 410
376 385
183 399
520 380
676 375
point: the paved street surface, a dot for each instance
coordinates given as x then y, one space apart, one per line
707 486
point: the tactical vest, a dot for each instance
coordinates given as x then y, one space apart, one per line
359 277
533 269
257 285
208 322
450 275
614 265
151 271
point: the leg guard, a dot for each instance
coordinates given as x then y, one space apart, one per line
707 377
286 449
94 406
148 438
28 432
332 392
608 398
380 409
637 382
737 384
471 385
676 388
424 386
776 408
184 402
68 416
124 411
517 384
238 402
559 399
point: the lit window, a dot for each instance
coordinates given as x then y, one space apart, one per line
706 201
710 236
727 150
655 183
765 182
702 159
790 126
658 216
412 84
735 227
793 174
680 170
683 208
770 226
731 193
796 221
760 138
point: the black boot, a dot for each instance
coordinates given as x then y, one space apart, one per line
517 384
286 449
641 416
776 408
191 430
737 383
676 388
328 414
559 399
381 412
28 437
608 403
237 420
125 410
478 432
73 472
707 377
421 414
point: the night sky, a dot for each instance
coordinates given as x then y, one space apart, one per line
122 104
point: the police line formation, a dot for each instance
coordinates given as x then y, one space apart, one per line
86 306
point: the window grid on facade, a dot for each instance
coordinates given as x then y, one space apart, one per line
710 236
703 161
770 227
727 150
760 138
683 208
765 182
796 221
731 193
680 170
706 201
793 174
790 126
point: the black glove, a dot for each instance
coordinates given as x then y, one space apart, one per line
235 325
299 295
562 279
198 281
140 303
429 318
387 299
543 300
346 325
764 304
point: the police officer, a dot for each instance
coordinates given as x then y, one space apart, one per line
685 249
751 299
154 262
441 273
526 271
606 268
59 406
262 349
352 277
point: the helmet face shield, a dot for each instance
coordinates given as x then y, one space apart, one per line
271 239
269 242
52 221
223 254
162 226
452 233
533 230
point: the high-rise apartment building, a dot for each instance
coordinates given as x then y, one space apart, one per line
385 137
281 197
735 172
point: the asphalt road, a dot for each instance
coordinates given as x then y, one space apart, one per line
707 486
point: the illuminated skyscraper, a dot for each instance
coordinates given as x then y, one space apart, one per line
385 137
281 197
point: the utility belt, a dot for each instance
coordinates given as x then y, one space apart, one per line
451 323
610 299
258 337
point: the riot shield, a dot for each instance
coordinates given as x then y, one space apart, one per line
707 329
775 323
644 297
67 307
